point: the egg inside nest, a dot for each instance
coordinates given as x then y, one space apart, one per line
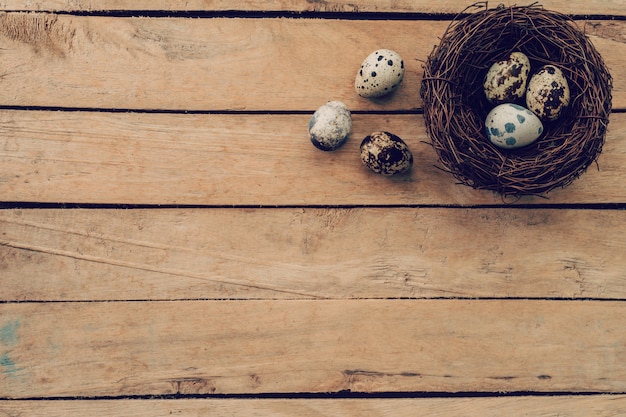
517 88
506 80
548 93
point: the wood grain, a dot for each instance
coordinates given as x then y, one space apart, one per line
578 7
52 255
212 347
565 406
223 64
279 269
268 160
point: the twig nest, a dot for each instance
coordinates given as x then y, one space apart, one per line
456 106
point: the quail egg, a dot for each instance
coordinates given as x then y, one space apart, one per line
511 126
548 93
506 80
330 125
386 153
380 74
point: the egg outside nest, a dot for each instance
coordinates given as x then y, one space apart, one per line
330 125
386 154
380 74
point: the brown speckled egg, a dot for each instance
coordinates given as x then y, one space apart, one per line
506 80
548 93
386 154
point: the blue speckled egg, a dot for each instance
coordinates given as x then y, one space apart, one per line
330 126
510 126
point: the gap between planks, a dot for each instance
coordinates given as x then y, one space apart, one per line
565 406
321 8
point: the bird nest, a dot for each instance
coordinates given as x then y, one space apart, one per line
455 106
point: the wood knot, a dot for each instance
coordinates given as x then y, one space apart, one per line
41 31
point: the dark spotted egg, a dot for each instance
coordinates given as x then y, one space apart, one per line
506 80
380 73
386 154
548 93
510 126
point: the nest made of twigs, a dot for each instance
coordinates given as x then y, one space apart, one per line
455 106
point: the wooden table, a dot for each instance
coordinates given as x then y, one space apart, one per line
172 243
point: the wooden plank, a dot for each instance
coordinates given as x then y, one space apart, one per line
565 406
201 64
235 159
52 255
577 7
213 347
222 64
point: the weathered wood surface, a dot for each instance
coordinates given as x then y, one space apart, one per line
316 346
224 64
258 160
565 406
48 255
301 273
576 7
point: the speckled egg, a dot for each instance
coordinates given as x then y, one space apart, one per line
386 154
511 126
506 80
380 74
548 93
330 126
